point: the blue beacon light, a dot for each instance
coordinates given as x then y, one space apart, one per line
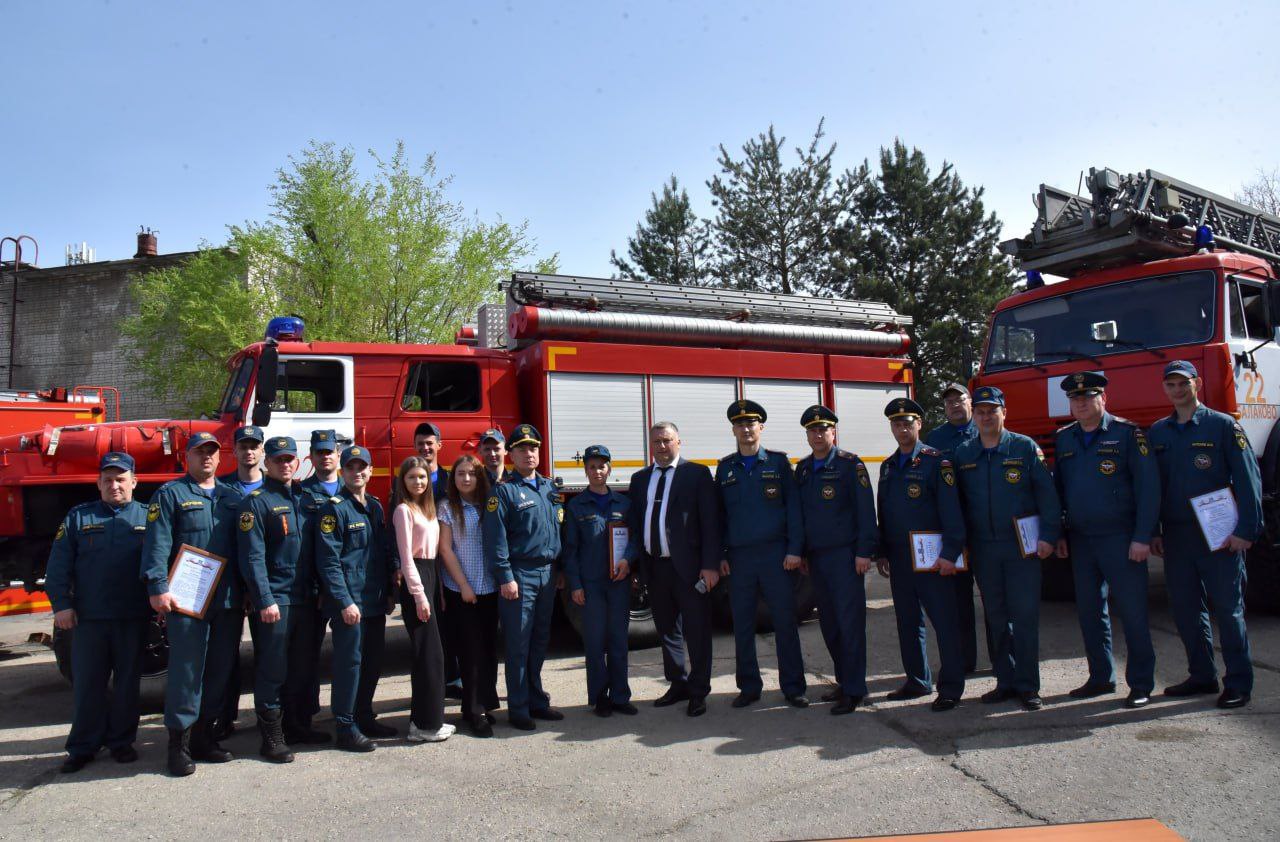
285 327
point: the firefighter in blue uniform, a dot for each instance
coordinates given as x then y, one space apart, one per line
280 595
957 406
92 582
763 539
602 590
1199 451
918 493
840 540
356 573
521 531
1109 485
304 670
199 510
1003 480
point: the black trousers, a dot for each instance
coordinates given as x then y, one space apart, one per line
473 636
675 601
426 670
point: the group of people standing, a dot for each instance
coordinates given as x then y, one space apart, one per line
478 547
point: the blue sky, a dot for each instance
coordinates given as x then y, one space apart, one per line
176 115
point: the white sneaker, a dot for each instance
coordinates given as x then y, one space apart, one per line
418 735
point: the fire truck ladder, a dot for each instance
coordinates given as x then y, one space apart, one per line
619 296
1137 217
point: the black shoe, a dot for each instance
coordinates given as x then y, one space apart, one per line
480 727
835 694
604 708
124 754
74 763
1137 699
1089 690
1031 701
273 746
223 728
942 704
489 717
204 747
625 708
905 692
180 764
375 730
697 706
847 704
354 740
1232 699
547 714
999 694
675 693
522 723
301 733
453 690
800 700
744 699
1192 688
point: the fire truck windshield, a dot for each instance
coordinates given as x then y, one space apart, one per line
237 385
1144 314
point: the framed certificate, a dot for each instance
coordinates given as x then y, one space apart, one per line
1028 531
1217 515
193 579
618 537
926 547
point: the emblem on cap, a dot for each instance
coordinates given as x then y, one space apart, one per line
282 442
1079 378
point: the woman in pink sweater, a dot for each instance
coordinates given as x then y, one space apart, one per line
417 534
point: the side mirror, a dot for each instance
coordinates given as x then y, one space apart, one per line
265 390
1273 304
1103 331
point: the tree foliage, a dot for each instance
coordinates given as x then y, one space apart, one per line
390 258
1263 192
671 245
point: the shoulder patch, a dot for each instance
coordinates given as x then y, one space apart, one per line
1242 441
948 473
491 505
328 523
61 533
246 521
153 513
255 492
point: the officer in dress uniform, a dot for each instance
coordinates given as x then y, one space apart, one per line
1199 451
1004 481
1109 485
602 590
356 573
304 671
270 545
958 408
92 582
918 494
199 510
521 532
840 539
763 539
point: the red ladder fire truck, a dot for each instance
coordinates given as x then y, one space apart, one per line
1156 270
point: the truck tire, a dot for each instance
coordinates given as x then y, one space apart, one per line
1056 581
1262 566
642 633
722 612
155 654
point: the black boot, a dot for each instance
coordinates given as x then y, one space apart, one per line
204 747
273 746
180 764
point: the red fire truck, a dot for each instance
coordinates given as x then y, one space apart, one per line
585 360
1156 270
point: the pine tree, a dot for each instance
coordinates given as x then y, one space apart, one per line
671 246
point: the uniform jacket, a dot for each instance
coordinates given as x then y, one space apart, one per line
271 531
1110 486
522 525
761 505
945 438
93 565
919 497
585 537
181 512
352 561
1010 482
837 504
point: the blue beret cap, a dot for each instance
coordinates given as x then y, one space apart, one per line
250 433
201 439
357 453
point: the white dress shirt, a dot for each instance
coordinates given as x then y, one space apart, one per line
665 549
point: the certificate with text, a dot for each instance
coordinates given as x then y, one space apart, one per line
1217 515
1028 529
925 549
193 579
618 537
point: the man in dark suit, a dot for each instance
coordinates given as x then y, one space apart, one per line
674 525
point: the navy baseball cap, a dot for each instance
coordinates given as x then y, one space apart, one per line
324 440
818 416
356 453
525 434
597 451
1181 368
494 434
744 409
281 444
988 394
954 387
250 433
1084 383
116 459
201 439
426 428
903 408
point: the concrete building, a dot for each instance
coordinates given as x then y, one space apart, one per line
63 328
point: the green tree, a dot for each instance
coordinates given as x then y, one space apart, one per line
923 243
671 246
774 223
389 258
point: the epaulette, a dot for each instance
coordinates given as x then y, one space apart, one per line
777 452
335 499
926 450
1123 420
724 459
255 492
844 454
80 506
1065 427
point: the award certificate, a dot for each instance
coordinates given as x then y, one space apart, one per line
925 549
193 579
1217 515
1028 530
618 536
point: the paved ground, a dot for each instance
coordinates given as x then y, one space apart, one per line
766 773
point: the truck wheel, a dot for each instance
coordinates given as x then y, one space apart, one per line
1056 582
722 611
1262 564
155 654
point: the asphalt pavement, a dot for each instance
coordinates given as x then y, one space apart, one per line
768 772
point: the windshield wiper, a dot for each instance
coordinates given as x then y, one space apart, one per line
1071 355
1014 364
1141 346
